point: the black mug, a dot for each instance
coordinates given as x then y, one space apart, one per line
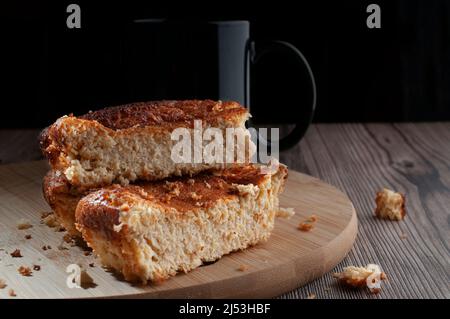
174 60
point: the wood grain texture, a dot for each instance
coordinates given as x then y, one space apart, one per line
363 158
359 159
289 259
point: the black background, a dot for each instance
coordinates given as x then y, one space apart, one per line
400 72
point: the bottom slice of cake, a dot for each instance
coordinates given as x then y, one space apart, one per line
151 231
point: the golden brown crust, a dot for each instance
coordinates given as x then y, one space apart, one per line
165 113
98 218
169 114
54 182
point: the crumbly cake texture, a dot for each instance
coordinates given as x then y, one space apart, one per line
153 230
390 205
125 143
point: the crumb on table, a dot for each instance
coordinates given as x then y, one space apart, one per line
390 205
369 276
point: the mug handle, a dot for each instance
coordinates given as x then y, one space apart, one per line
302 124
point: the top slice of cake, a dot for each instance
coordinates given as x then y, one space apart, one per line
129 142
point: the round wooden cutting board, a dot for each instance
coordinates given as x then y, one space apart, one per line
289 259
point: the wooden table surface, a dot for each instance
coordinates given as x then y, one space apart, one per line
413 158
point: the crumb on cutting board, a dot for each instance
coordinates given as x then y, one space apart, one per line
45 214
25 271
67 238
305 226
390 205
50 220
16 254
285 212
62 247
243 267
308 224
23 224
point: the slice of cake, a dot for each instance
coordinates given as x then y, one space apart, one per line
125 143
153 230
